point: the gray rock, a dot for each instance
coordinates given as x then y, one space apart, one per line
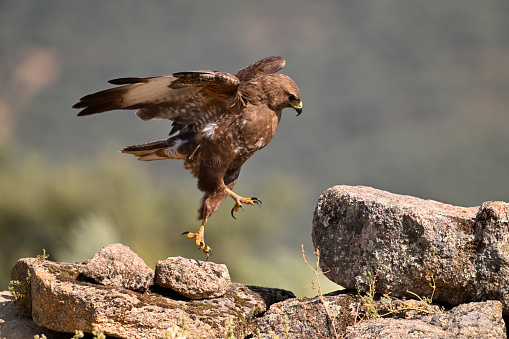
346 318
193 279
472 321
307 317
63 303
395 329
117 265
409 244
492 260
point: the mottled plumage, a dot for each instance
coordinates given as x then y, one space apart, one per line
219 121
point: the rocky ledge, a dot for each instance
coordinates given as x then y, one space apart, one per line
411 268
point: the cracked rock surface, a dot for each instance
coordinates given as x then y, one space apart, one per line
412 244
63 302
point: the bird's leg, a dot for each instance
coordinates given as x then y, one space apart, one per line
200 238
240 200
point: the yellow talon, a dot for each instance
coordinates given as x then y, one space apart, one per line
240 200
200 239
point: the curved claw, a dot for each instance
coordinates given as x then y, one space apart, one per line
184 233
206 249
238 205
257 201
208 253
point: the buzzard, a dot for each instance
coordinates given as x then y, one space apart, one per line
219 121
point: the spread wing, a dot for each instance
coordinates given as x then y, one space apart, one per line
268 65
182 97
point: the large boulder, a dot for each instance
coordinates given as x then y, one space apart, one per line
408 246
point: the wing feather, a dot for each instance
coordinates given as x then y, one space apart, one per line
126 81
268 65
182 97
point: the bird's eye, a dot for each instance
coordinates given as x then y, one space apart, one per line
292 97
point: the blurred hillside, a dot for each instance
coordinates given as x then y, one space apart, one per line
410 97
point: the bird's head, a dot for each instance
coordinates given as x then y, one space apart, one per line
277 90
288 94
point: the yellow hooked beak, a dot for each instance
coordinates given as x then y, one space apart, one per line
298 107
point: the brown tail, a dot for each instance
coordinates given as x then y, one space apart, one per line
156 150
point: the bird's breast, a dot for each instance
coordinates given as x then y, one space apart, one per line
257 128
231 140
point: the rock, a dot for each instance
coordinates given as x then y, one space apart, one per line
492 236
193 279
400 243
473 320
13 325
307 318
117 265
20 270
62 302
396 329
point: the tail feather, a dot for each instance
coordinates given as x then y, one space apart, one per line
146 148
157 150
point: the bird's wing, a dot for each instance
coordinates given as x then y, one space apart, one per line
182 97
268 65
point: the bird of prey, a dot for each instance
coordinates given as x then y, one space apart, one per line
219 121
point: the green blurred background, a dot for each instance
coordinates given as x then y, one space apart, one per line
406 96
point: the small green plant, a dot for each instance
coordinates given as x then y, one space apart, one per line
368 300
41 257
425 300
183 325
97 334
388 305
21 292
287 327
317 288
229 329
78 334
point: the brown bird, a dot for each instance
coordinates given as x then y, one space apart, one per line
219 121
